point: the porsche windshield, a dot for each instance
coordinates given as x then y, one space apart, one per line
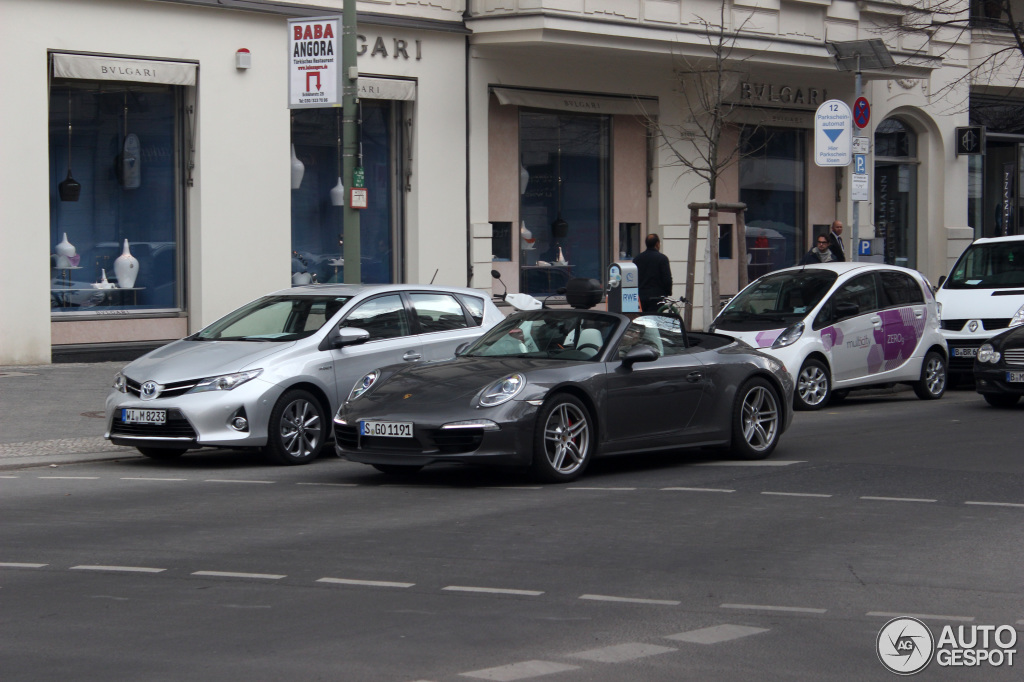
563 335
274 318
777 300
995 265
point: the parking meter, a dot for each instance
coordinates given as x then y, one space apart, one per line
623 291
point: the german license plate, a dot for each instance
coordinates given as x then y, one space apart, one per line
386 429
137 416
1015 377
965 352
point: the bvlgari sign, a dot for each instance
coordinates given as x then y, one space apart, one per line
772 94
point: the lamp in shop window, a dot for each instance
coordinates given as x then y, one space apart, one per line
338 193
69 189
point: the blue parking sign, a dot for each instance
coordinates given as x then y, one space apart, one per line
860 163
865 248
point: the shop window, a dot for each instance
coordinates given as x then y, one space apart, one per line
629 240
318 231
724 240
118 142
501 241
895 180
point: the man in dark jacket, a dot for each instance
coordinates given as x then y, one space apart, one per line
835 241
822 253
654 275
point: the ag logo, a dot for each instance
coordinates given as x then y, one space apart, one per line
905 646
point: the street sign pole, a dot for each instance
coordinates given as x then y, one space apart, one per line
855 232
350 143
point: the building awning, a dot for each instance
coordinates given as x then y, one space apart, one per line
94 67
589 104
387 88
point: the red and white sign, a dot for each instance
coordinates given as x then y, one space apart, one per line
359 198
314 58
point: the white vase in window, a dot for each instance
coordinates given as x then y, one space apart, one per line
338 194
298 168
65 251
126 267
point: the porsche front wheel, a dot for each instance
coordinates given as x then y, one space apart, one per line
757 420
564 440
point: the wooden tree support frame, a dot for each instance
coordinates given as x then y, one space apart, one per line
713 208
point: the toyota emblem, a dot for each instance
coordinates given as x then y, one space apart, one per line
150 390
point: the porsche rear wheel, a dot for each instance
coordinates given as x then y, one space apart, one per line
756 423
564 440
297 429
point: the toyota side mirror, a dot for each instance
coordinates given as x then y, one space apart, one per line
347 336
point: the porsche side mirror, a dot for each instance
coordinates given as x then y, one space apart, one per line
640 353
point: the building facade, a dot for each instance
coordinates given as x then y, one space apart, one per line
530 137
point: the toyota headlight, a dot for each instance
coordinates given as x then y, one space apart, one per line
1018 317
503 390
987 353
364 384
789 336
120 383
226 382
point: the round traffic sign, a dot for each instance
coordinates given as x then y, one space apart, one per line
861 112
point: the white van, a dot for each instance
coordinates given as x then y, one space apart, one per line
840 326
983 295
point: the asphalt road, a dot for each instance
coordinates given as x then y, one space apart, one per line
670 567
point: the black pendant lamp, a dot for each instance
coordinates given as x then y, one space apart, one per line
69 189
559 228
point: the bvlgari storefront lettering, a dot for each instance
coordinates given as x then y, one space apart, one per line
399 48
781 95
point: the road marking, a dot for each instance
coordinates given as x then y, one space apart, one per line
996 504
12 564
338 485
626 489
896 499
702 490
766 492
762 607
492 590
147 478
622 652
716 634
754 463
367 583
921 616
70 478
629 600
518 487
233 480
8 477
122 569
520 671
228 574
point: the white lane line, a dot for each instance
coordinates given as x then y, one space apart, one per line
579 488
12 564
768 492
755 463
629 600
702 490
122 569
518 487
763 607
921 616
492 590
148 478
8 477
716 634
69 478
366 583
996 504
520 671
335 485
621 653
896 499
229 574
233 480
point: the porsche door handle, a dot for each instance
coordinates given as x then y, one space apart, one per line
412 356
694 377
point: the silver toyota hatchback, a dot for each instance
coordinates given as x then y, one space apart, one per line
271 374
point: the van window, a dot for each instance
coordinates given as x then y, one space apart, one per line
992 265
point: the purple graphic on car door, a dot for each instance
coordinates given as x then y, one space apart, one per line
896 341
831 337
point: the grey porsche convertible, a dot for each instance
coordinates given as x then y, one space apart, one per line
550 389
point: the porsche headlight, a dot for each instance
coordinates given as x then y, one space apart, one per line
503 390
1018 317
225 382
987 353
120 383
789 336
364 384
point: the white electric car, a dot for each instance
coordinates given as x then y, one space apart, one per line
840 326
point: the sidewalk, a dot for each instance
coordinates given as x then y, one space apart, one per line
53 414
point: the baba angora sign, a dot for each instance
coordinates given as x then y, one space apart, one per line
314 62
